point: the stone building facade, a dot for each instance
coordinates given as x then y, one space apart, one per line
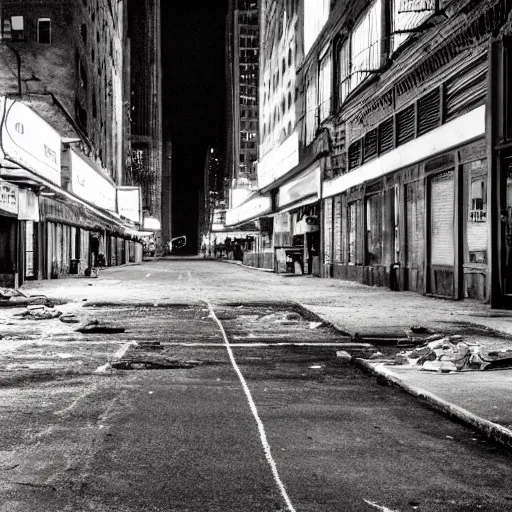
65 133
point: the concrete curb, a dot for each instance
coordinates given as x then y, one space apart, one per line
236 262
493 431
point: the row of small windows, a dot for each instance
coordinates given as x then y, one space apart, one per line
14 29
276 76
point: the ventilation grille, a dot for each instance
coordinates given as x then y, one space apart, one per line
429 111
354 155
370 145
386 134
405 125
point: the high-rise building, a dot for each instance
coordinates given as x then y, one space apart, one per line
146 108
242 65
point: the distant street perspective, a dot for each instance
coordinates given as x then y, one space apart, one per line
192 384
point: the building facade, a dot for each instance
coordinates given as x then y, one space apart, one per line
242 75
65 140
400 174
146 110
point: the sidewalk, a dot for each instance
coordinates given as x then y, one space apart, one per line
482 399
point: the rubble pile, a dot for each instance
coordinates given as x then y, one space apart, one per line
452 354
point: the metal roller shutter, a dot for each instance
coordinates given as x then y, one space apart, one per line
442 204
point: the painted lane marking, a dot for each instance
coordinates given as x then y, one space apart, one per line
119 354
254 410
379 507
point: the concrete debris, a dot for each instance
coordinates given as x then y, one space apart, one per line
97 327
452 354
69 318
39 313
7 293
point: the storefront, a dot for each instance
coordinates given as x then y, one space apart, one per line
297 224
8 234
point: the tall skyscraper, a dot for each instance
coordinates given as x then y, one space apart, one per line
242 46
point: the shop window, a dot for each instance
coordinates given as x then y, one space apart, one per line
17 28
44 31
352 232
374 230
477 211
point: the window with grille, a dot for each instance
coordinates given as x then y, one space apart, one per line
405 121
17 28
406 16
316 13
324 87
343 70
311 107
386 136
429 111
370 145
366 42
354 155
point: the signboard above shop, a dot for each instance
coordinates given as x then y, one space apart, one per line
89 184
8 198
29 141
129 203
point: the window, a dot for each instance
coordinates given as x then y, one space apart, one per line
366 44
316 13
324 87
374 229
17 28
407 15
311 107
352 232
343 72
44 30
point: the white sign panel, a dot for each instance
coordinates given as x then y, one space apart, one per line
279 161
128 203
28 205
8 197
305 185
30 141
88 184
249 210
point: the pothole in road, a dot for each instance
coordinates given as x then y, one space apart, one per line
148 364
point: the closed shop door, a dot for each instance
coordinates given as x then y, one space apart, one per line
442 234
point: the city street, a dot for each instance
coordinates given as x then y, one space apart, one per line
223 393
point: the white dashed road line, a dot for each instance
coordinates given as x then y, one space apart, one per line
254 410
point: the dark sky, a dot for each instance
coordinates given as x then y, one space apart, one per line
193 43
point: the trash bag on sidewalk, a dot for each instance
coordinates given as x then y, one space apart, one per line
453 354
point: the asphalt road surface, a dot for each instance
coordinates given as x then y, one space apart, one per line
219 402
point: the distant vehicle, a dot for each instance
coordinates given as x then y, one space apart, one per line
176 243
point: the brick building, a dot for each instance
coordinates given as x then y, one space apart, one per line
401 113
65 132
